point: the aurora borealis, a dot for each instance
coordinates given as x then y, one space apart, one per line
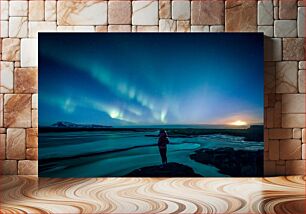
143 78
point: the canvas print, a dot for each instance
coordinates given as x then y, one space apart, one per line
151 104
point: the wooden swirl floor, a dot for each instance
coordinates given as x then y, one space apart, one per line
151 195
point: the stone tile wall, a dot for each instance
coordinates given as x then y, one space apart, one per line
282 21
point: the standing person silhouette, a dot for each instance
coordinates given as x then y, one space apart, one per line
162 145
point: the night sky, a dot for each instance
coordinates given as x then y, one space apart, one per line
150 79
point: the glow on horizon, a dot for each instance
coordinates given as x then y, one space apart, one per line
238 123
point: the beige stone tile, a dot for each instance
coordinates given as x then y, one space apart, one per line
34 101
27 167
273 149
304 135
293 103
295 167
29 52
36 10
287 9
2 146
15 144
207 12
266 30
147 28
167 25
303 151
269 168
286 77
101 28
18 8
17 110
277 123
76 29
1 110
180 10
18 27
17 64
297 133
2 130
293 120
119 12
275 134
32 138
272 49
301 3
216 28
8 167
200 28
275 13
290 149
26 80
301 21
164 9
301 83
285 28
302 65
4 10
119 28
145 13
265 12
239 16
32 154
293 49
183 26
34 118
11 49
74 12
41 26
7 77
4 29
50 10
269 80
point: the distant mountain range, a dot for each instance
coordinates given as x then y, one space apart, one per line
63 124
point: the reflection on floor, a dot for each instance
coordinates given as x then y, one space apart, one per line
154 195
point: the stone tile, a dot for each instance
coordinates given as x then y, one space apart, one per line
1 111
8 167
11 49
302 65
301 81
145 13
304 151
167 25
34 118
273 149
275 13
295 167
2 130
272 49
18 8
76 29
18 27
2 146
269 118
50 10
183 26
286 77
39 26
285 28
101 28
265 12
15 144
207 12
293 103
32 138
180 10
287 9
280 170
200 28
17 110
32 154
36 10
290 149
119 12
293 49
29 53
301 21
26 80
147 28
241 15
269 168
34 101
119 28
4 10
301 3
304 135
216 28
267 30
164 9
275 134
74 12
297 133
293 120
269 80
4 29
27 167
277 117
7 77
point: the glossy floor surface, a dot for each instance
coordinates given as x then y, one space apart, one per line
152 195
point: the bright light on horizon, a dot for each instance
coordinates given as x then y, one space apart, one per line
238 123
